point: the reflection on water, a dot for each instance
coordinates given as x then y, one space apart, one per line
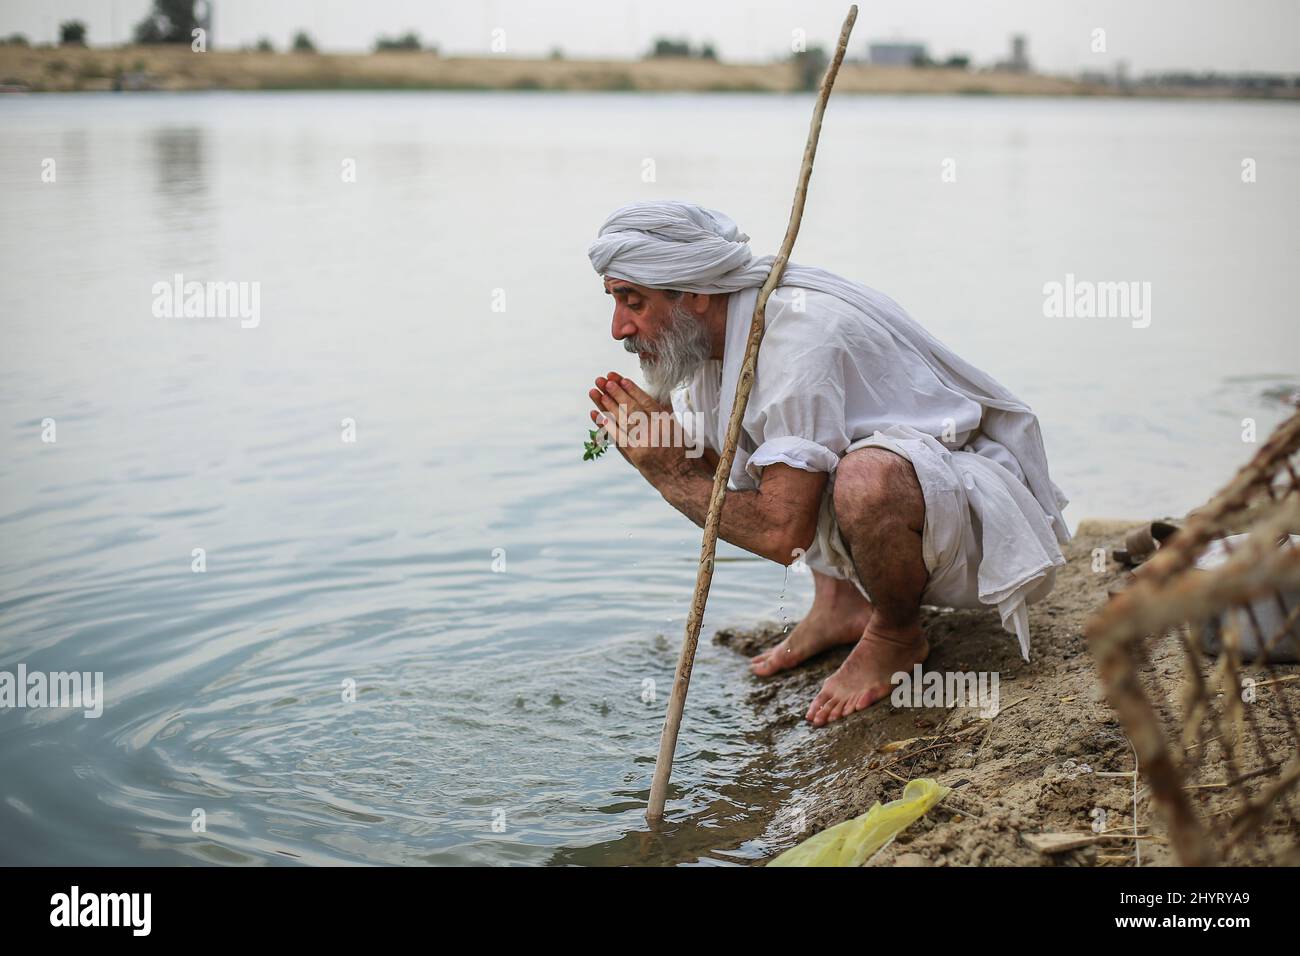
451 640
178 161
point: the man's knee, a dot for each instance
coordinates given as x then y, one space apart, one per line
875 488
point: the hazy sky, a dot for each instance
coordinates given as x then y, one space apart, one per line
1149 34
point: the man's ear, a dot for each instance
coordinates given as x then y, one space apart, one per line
699 302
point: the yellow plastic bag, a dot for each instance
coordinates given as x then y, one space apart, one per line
850 843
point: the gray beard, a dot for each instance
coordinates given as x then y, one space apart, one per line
681 349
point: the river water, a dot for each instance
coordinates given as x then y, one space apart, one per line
424 630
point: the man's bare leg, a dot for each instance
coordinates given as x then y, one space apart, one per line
880 511
839 615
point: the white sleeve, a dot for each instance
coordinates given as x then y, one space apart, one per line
796 411
687 417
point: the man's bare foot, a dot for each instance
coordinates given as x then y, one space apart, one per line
864 677
824 627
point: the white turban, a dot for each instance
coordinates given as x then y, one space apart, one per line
682 246
676 245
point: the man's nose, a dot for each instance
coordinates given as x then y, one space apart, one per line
621 327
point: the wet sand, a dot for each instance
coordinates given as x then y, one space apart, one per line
1033 768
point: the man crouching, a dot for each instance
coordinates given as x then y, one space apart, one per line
900 473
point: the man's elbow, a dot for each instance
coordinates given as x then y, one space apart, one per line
788 544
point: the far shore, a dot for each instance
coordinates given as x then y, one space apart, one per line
177 68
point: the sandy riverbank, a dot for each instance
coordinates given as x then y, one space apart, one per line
167 67
1033 768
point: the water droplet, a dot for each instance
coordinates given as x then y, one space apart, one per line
785 581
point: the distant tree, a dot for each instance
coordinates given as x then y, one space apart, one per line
957 62
810 65
148 31
264 45
407 41
557 53
72 33
170 21
302 43
664 47
668 47
14 39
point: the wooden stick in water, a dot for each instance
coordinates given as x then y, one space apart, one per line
677 700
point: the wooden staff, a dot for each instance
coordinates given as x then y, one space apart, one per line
682 681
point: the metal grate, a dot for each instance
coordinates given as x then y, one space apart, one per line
1216 736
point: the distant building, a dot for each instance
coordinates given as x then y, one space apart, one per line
897 53
1019 62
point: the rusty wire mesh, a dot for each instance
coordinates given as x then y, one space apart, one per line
1193 658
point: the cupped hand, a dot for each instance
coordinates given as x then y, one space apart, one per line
644 430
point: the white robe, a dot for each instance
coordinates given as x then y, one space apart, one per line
831 379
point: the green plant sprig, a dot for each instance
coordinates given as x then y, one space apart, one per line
595 446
